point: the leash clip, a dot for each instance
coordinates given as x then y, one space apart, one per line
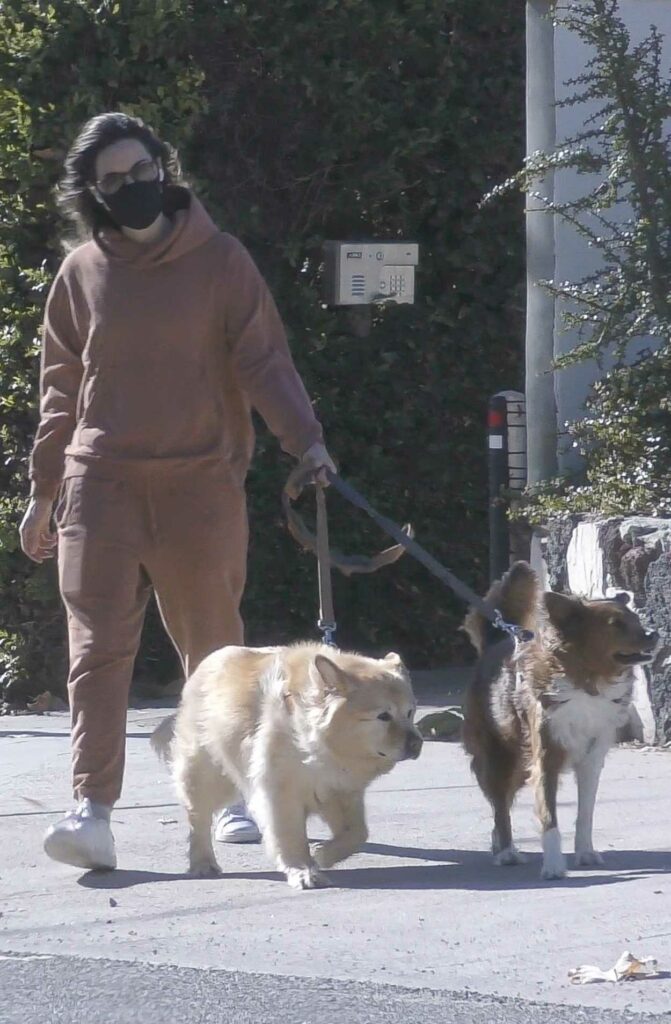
328 631
519 634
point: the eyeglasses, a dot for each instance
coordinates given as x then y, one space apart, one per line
143 170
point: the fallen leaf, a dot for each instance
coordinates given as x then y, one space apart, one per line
44 703
442 725
626 967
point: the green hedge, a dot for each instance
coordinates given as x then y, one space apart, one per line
366 120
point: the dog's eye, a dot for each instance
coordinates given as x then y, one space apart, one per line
384 716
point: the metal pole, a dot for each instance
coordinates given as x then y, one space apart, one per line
507 448
541 136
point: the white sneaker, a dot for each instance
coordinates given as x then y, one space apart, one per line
236 826
83 838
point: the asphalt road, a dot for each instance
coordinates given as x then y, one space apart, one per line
71 990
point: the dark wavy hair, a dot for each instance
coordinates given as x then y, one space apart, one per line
74 196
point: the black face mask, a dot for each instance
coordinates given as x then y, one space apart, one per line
137 205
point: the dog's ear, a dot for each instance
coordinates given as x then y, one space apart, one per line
564 611
328 677
394 660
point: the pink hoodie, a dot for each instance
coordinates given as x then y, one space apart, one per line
158 352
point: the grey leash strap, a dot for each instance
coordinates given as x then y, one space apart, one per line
327 621
428 561
349 564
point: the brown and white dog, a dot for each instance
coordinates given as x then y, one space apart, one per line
554 703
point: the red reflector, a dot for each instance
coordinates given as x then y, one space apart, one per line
495 418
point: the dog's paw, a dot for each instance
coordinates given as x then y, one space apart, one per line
587 859
509 857
306 878
204 869
320 855
324 854
553 868
554 861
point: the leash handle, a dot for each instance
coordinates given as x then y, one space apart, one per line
349 565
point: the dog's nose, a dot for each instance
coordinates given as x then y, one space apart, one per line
652 638
413 745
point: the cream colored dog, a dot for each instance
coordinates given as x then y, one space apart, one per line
295 731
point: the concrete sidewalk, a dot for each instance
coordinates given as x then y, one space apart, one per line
422 907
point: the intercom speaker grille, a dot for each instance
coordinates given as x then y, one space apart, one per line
358 285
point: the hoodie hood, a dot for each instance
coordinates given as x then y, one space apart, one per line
192 226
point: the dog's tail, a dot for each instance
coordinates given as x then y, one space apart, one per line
516 596
162 737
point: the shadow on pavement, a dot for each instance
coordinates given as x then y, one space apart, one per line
477 875
647 861
13 733
457 869
126 879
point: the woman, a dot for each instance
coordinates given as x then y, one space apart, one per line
159 336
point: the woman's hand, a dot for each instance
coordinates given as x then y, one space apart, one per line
317 458
37 539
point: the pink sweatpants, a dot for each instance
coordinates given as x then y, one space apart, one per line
180 529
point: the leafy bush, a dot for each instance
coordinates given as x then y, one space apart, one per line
367 121
623 310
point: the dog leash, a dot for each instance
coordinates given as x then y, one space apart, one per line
405 542
440 571
327 621
319 545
